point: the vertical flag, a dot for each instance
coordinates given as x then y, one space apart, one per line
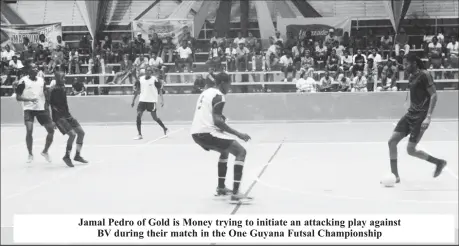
396 9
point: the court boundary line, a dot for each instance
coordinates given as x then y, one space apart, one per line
255 181
256 122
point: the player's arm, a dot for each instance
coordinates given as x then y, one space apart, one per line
433 94
19 97
159 87
136 92
219 120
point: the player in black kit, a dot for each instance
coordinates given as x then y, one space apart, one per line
423 97
64 120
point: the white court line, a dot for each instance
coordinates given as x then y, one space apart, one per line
165 136
309 193
446 168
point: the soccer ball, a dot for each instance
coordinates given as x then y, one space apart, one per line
389 180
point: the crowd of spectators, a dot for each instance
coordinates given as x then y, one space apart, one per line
330 63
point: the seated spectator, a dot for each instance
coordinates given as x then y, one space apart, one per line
156 44
346 62
57 59
327 83
429 34
344 83
85 48
199 83
321 55
305 83
15 68
287 67
359 60
386 45
377 58
184 57
41 58
372 40
333 63
7 56
214 37
242 54
297 53
191 42
272 56
230 56
371 73
330 39
141 64
126 47
157 63
239 39
78 88
440 36
308 40
25 43
215 56
277 38
435 56
139 44
107 44
42 41
127 71
251 42
28 56
338 48
307 64
74 62
390 70
387 84
453 48
291 41
59 42
402 42
258 61
168 49
359 83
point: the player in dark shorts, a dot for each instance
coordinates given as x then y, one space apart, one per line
150 90
210 131
423 98
64 120
31 91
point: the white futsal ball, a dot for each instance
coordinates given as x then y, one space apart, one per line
389 180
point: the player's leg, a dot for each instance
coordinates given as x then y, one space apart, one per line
239 152
72 135
222 169
45 120
152 110
400 132
140 109
415 136
79 142
28 121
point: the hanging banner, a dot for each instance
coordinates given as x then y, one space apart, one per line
13 35
318 26
173 27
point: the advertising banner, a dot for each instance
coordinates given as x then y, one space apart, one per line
13 35
172 27
318 26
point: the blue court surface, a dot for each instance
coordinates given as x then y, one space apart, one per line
322 167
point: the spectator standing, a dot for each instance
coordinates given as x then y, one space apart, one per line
59 42
126 47
291 41
371 73
346 41
74 61
251 42
359 83
338 48
330 39
277 38
85 49
156 44
214 38
184 57
402 42
168 50
272 56
42 41
107 43
25 43
377 59
239 39
139 44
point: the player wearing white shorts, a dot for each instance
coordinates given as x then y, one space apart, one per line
31 91
149 89
209 130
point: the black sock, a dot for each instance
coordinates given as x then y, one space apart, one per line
434 160
222 168
139 126
161 123
68 150
238 166
394 167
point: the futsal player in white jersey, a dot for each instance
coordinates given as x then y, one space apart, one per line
32 92
210 131
150 89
